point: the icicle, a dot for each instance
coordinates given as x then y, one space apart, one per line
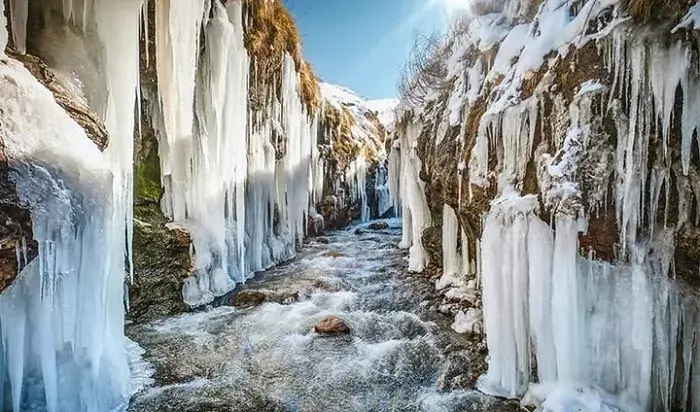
62 319
3 29
415 212
451 268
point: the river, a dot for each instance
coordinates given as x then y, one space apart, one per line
399 356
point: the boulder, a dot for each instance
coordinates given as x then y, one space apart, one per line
332 326
378 226
248 298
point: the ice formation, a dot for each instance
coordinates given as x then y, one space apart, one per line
63 320
614 326
408 191
616 335
221 176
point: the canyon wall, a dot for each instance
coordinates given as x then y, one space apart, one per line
153 156
545 162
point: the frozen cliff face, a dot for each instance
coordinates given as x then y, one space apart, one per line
239 181
63 319
563 135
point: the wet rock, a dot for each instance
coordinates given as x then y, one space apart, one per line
359 231
334 253
332 326
248 298
322 239
378 226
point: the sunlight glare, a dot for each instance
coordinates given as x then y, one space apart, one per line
452 6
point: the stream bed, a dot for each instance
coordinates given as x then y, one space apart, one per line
399 355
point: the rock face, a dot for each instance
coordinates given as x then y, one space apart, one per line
587 138
332 326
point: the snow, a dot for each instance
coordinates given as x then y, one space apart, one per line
468 321
386 109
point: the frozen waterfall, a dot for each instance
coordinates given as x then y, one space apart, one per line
245 209
63 319
620 329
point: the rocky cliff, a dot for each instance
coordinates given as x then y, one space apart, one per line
209 119
546 158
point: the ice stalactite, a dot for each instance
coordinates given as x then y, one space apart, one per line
301 131
454 264
394 176
178 25
3 30
214 186
410 194
505 259
245 208
357 175
19 12
382 190
63 319
610 328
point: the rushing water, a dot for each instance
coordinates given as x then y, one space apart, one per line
268 358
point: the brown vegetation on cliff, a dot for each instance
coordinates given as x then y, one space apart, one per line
657 10
270 32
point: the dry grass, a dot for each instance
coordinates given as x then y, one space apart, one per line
657 10
310 89
270 33
339 125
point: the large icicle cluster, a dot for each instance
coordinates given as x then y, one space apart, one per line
63 345
595 328
245 208
408 195
593 115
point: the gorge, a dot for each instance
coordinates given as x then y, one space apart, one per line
184 203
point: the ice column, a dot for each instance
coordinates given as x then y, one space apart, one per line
452 268
62 320
215 185
505 265
415 212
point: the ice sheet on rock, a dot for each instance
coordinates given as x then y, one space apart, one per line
62 320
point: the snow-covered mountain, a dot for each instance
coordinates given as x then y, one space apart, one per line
359 106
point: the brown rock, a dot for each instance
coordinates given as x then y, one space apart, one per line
378 226
248 298
332 326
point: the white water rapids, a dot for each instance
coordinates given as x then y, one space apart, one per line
268 358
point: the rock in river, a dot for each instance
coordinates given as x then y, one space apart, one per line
332 326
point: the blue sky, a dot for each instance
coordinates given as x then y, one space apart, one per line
361 44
